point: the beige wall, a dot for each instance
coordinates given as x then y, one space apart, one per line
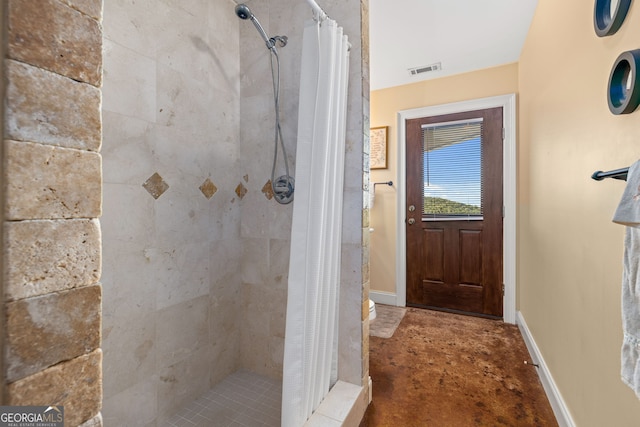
385 104
570 253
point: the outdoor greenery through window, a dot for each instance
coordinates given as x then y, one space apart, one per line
453 170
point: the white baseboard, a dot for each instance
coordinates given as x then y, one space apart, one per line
381 297
563 416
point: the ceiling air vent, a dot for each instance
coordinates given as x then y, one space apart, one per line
425 69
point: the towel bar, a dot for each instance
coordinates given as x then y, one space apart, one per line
389 183
615 174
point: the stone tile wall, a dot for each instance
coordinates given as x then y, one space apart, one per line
266 225
3 51
51 201
173 191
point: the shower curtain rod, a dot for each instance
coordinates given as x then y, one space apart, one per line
615 174
317 9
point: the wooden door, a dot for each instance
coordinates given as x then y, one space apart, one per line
454 239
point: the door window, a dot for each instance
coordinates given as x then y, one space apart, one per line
452 172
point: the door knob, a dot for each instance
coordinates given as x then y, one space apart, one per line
411 221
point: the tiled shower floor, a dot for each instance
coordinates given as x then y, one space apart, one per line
243 399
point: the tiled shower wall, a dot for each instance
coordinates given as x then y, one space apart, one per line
265 225
195 250
173 188
52 67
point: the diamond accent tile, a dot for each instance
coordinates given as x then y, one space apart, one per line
208 188
241 191
155 185
267 190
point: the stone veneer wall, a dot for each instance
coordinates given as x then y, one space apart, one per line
366 182
52 198
3 52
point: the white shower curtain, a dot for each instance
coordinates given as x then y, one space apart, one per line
310 351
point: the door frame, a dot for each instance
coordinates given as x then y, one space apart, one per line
508 104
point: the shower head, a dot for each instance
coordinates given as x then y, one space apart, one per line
243 12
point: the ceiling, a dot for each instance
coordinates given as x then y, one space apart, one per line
462 35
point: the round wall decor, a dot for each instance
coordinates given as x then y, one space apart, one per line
609 15
623 93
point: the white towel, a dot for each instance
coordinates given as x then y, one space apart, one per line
628 214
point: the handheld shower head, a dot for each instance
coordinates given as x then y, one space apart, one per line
282 187
243 12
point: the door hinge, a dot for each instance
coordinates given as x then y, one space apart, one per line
503 289
503 211
504 132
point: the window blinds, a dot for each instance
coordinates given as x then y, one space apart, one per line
452 172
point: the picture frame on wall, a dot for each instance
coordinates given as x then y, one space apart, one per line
378 147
